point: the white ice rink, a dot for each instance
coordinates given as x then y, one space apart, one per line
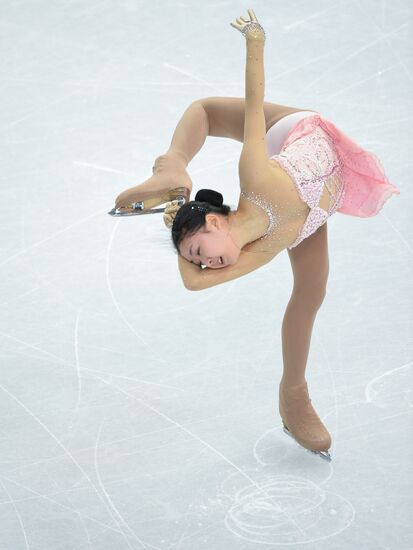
135 414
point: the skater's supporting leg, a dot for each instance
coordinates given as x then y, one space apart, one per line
297 327
310 265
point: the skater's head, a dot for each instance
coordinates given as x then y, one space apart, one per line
201 231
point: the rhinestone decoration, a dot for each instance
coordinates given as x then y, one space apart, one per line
258 199
200 208
315 219
253 28
314 165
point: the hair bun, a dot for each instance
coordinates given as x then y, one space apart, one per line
210 196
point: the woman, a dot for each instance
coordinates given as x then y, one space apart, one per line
296 169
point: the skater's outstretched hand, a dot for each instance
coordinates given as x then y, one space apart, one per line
250 28
169 170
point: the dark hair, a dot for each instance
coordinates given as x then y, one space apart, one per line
191 216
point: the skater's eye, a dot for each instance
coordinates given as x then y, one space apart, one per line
200 263
198 253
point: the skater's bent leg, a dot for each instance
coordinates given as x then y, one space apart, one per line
297 328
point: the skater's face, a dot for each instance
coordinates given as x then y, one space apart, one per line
211 244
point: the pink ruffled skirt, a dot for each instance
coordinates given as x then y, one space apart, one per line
366 186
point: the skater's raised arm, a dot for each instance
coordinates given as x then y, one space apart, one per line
254 125
253 163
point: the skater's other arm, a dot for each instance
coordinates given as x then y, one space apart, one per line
189 271
201 278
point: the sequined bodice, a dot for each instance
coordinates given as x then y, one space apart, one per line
314 165
314 170
258 199
285 211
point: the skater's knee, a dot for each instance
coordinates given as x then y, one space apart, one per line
309 297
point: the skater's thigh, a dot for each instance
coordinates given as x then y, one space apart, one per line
226 115
310 264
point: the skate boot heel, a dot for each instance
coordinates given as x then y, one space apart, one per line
301 422
148 200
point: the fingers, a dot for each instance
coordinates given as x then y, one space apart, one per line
241 21
173 205
171 208
252 16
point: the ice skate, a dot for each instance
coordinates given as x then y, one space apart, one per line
146 201
301 422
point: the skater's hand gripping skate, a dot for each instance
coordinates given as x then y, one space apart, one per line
170 212
169 170
250 28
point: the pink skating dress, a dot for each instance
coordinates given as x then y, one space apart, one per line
316 154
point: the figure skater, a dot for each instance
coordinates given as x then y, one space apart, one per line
296 169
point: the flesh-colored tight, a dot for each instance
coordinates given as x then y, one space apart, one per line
296 333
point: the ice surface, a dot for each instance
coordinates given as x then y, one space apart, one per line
136 414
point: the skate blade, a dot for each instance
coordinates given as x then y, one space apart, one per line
117 212
138 209
325 455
